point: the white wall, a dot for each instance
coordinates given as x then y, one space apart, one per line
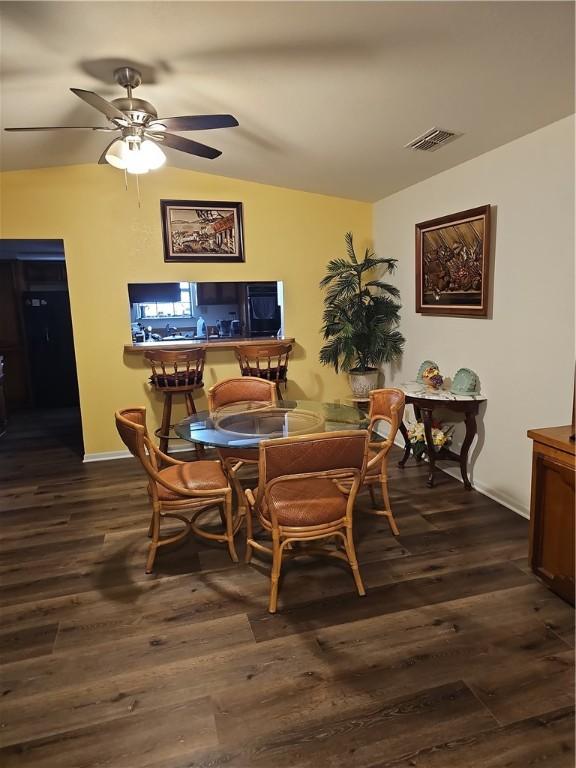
524 353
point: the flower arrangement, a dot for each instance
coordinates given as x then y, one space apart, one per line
432 377
441 436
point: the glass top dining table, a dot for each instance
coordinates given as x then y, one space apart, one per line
246 424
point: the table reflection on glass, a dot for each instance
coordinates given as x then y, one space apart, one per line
246 424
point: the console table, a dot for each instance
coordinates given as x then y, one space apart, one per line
425 401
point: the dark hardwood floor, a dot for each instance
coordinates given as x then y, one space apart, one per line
458 657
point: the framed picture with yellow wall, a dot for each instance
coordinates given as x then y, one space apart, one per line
452 264
200 230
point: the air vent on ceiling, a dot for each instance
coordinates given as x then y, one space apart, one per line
431 140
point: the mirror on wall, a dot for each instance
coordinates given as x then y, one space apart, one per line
186 310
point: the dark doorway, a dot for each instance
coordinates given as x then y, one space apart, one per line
48 331
36 340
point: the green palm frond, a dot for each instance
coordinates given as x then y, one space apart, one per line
343 289
371 262
335 268
350 247
385 287
360 320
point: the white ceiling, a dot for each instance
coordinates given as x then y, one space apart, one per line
326 93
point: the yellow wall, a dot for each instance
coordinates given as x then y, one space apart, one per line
110 242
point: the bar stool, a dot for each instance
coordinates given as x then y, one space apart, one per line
268 362
175 372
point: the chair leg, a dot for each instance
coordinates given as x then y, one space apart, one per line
230 527
275 575
249 535
191 411
237 485
153 546
165 427
372 495
387 507
190 404
351 552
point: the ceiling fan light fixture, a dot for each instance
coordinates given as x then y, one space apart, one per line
136 162
137 149
152 154
117 155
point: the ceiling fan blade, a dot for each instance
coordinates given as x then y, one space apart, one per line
189 146
197 122
108 109
65 128
102 160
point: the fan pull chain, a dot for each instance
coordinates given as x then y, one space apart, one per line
137 186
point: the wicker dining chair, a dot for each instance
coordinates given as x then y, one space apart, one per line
241 389
268 362
385 405
301 498
193 486
237 390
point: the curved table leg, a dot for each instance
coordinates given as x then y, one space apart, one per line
404 433
469 437
418 415
427 419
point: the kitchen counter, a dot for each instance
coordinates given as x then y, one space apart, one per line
221 343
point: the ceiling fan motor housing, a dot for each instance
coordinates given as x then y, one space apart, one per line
138 110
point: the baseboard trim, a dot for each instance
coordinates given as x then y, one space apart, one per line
113 455
106 456
485 491
454 473
480 487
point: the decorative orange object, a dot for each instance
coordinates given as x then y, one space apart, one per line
432 377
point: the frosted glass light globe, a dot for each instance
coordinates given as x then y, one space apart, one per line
136 162
117 154
152 153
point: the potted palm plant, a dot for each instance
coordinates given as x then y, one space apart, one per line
361 318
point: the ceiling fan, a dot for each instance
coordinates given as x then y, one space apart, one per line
137 148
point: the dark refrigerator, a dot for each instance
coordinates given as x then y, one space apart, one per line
264 317
50 348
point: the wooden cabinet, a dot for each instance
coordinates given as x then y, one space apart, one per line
552 508
228 293
216 293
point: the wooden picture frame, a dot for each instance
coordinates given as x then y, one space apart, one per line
453 264
202 231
